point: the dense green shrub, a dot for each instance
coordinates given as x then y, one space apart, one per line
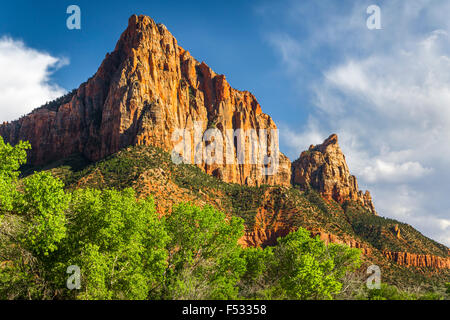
204 255
306 268
387 292
11 158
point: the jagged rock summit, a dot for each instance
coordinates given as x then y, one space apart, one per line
144 91
324 168
148 88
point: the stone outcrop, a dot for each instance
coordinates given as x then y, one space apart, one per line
397 232
274 220
268 237
352 243
324 168
143 92
418 260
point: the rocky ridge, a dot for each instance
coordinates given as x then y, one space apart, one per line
145 90
418 260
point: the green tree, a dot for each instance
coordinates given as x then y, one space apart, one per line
253 283
118 242
11 158
301 267
29 235
126 251
204 256
43 202
30 228
388 292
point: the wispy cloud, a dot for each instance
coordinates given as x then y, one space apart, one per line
25 81
385 92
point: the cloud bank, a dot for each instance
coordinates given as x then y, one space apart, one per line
25 81
387 95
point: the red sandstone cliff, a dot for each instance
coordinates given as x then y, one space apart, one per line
273 220
418 260
324 168
268 237
144 91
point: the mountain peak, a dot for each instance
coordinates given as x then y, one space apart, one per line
324 168
140 29
146 90
330 141
333 139
140 23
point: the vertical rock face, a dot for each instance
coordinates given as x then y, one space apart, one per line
143 93
323 167
418 260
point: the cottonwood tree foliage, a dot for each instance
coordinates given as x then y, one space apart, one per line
43 204
118 242
298 268
125 250
11 158
204 255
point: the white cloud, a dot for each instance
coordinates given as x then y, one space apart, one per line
403 203
396 107
385 172
25 82
386 93
288 48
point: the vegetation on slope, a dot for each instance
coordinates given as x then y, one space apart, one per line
123 169
124 250
379 232
106 185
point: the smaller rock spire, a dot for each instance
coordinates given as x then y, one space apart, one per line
324 168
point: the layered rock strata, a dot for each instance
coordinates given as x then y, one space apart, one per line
324 168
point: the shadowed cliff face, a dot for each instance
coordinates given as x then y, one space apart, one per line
323 167
143 92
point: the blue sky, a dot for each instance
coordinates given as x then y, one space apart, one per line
314 66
